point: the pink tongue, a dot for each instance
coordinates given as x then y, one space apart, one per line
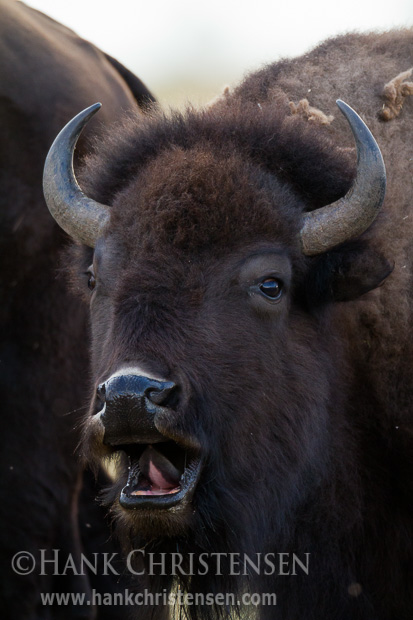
157 478
161 474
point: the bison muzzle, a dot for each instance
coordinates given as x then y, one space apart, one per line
162 472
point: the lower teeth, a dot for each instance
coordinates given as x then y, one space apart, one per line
156 492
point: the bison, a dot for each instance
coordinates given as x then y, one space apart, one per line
46 74
250 300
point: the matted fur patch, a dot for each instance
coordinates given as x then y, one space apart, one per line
394 94
313 115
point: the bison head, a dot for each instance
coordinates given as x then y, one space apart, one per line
219 373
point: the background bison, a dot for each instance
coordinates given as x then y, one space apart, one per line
46 74
252 361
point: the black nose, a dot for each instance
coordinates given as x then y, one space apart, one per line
131 404
158 392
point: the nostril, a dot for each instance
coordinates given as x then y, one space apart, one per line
164 396
101 392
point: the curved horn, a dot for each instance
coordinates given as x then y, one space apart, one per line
350 216
81 217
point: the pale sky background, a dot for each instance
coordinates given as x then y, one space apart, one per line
189 50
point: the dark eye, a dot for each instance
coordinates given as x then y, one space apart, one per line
271 288
91 278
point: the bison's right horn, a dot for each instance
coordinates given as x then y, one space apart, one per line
81 217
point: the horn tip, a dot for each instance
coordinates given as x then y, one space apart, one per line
84 116
92 109
343 106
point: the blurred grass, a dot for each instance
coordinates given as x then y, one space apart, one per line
178 95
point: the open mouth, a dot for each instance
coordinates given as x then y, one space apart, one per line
161 475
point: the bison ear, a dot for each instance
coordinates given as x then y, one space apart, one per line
345 273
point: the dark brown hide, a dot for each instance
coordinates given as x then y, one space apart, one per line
46 74
302 408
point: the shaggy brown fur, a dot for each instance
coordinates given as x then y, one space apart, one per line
302 408
47 73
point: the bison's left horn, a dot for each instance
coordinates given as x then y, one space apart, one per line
350 216
81 217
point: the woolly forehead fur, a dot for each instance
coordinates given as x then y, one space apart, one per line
196 200
217 178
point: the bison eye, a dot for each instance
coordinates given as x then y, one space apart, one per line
271 288
91 278
91 282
